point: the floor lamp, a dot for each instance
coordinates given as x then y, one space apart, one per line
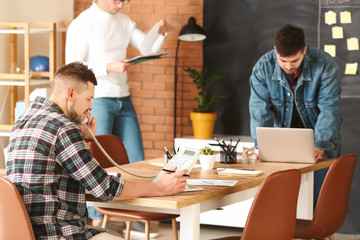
191 32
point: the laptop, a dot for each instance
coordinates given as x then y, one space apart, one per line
294 145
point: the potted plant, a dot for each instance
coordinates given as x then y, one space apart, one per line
203 118
207 158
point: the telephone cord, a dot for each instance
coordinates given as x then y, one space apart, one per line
112 161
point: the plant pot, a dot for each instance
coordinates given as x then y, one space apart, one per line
203 124
207 161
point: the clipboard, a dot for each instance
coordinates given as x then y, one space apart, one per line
140 58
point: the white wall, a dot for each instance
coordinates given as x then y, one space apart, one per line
27 11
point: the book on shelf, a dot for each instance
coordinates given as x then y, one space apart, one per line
141 58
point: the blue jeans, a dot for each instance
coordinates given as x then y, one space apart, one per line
319 176
117 116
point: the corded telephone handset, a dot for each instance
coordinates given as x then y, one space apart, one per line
184 159
84 121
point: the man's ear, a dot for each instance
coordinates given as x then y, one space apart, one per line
71 94
304 50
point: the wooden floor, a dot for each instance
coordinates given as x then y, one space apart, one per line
210 232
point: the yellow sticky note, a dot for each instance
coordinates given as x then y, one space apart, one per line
331 49
345 17
351 68
330 17
353 44
337 32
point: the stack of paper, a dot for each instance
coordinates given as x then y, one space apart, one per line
234 171
211 182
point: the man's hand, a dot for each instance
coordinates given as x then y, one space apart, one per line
119 66
92 124
171 183
318 154
162 27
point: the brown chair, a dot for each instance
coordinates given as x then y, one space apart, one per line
332 204
116 150
273 211
14 219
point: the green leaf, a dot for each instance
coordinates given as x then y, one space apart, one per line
206 151
203 80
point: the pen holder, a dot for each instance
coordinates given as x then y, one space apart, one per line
228 157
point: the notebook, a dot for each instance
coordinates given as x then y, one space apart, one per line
285 144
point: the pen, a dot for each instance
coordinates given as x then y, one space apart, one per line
167 153
171 171
236 145
221 145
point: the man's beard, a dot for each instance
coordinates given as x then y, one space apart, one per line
293 71
73 115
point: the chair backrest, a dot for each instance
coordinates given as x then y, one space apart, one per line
113 146
273 213
332 204
14 219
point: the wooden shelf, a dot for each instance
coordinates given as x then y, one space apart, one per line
33 82
27 78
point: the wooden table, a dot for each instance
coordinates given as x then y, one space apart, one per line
190 204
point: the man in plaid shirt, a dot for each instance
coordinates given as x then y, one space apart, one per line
51 165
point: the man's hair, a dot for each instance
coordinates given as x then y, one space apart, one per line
77 72
289 40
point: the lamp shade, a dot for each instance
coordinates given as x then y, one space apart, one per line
192 32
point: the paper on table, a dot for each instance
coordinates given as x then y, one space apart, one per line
161 164
211 182
233 171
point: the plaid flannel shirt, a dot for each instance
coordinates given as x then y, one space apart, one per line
51 165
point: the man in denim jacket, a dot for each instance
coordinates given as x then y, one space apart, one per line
298 86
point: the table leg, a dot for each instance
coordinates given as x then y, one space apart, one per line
190 222
306 196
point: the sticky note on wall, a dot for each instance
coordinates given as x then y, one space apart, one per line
330 49
330 17
345 17
353 44
337 32
351 68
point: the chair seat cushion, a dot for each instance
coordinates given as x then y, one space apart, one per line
309 229
301 225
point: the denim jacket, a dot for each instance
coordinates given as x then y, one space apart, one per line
317 97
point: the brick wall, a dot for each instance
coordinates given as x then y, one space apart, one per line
152 83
